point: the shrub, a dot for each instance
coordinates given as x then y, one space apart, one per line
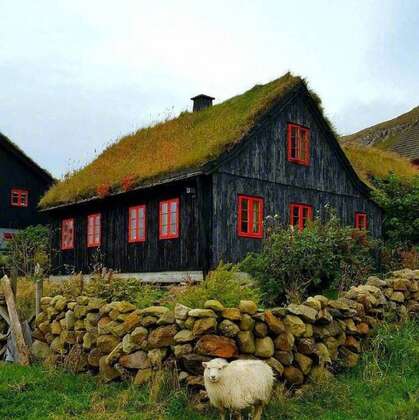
222 284
292 264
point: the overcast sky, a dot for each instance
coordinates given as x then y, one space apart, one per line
76 75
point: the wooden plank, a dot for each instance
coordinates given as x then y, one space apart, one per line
23 354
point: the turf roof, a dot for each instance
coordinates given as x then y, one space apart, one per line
186 142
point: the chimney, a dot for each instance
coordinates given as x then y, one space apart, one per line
201 102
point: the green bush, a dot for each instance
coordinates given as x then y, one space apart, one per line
222 284
292 264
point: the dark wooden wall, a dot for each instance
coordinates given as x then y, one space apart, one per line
116 252
14 173
261 168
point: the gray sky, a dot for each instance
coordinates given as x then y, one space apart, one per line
77 74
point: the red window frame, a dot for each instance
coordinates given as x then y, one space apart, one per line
19 197
8 236
137 224
299 214
94 230
67 234
245 228
298 141
165 219
361 220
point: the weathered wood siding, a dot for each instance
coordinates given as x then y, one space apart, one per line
261 168
116 252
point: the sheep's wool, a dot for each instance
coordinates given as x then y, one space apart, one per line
243 383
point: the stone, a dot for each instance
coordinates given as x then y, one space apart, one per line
233 314
132 321
275 365
397 297
71 305
204 326
304 362
349 358
399 284
51 312
156 357
107 372
139 335
89 339
247 323
192 363
162 336
323 354
149 321
181 311
313 303
106 343
363 328
123 307
102 325
322 299
284 342
309 331
95 304
46 300
293 375
246 342
213 304
323 317
166 318
45 327
137 360
305 312
82 300
294 325
376 281
113 356
248 307
80 311
143 376
352 344
60 303
182 349
202 313
285 357
68 337
40 350
213 345
332 346
128 344
189 323
184 336
350 326
57 345
279 312
306 346
56 328
320 375
42 317
79 324
261 329
275 324
228 328
264 347
156 311
94 357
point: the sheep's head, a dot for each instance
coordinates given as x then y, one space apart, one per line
214 369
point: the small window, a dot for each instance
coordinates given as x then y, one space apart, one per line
19 198
93 230
136 224
67 234
169 219
8 236
300 214
361 220
250 216
298 144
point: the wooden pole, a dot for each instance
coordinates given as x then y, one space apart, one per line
13 280
23 354
39 289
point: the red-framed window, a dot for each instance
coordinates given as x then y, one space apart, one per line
8 236
169 219
93 230
67 234
19 197
298 144
137 223
361 220
250 216
300 214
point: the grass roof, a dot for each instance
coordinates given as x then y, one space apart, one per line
186 142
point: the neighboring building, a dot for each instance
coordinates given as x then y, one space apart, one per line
193 191
22 184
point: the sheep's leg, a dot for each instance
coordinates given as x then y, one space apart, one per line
258 412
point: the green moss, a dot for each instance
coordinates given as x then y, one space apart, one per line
186 142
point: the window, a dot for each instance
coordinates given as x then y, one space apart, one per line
169 219
7 236
19 198
67 234
250 217
93 230
300 214
298 144
136 224
361 220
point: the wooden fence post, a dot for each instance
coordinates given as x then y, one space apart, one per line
39 290
22 350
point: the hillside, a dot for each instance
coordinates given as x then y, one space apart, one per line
400 134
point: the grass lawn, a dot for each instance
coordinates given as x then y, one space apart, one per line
385 385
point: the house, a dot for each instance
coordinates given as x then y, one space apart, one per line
192 191
22 184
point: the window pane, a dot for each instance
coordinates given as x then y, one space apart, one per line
244 215
255 220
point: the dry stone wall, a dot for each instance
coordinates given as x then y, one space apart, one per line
117 340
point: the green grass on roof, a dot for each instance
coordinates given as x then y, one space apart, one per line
371 162
188 141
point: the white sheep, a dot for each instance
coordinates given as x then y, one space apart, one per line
238 385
